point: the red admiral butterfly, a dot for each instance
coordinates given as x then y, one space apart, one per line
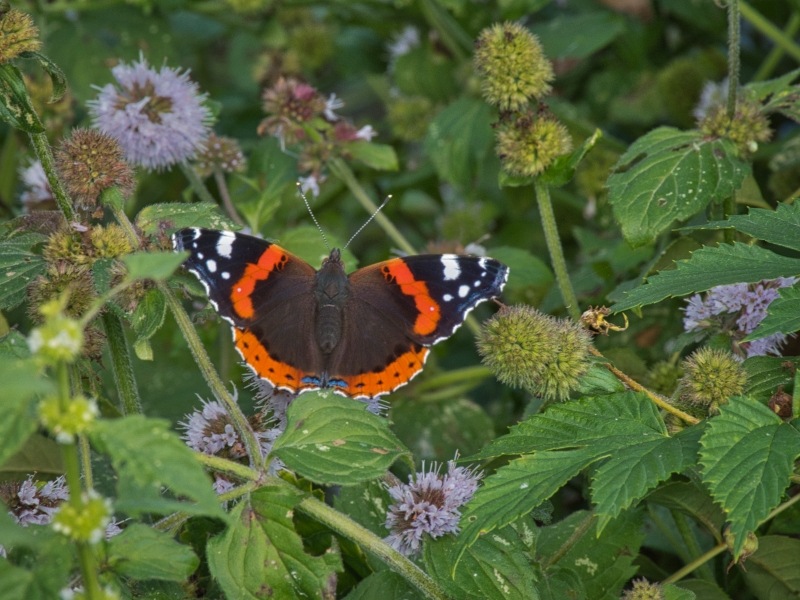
361 335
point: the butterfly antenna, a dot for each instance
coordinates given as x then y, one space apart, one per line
308 206
377 210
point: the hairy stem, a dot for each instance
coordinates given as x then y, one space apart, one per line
775 55
579 532
222 186
197 184
121 365
210 374
227 466
555 249
734 29
45 154
83 441
763 25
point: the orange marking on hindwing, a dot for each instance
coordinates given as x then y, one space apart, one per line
270 260
396 373
278 373
397 271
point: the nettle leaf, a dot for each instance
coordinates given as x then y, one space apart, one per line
366 503
376 156
708 268
602 560
498 565
705 590
22 383
780 226
149 316
47 578
141 552
13 346
177 215
384 584
16 107
780 86
18 267
691 499
153 265
673 592
747 457
260 555
335 440
669 175
783 315
560 583
147 455
766 373
599 380
773 571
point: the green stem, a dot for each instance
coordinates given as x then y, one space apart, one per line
701 560
127 226
775 55
89 572
457 41
669 534
340 168
579 532
214 382
83 441
227 466
771 31
348 528
734 29
474 373
197 185
555 249
42 147
690 541
175 520
121 365
222 186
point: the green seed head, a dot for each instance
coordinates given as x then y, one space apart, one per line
747 128
711 377
644 590
18 34
527 146
568 361
86 523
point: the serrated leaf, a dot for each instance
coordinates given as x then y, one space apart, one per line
149 315
334 440
669 175
177 215
783 315
563 168
22 383
153 265
260 554
57 76
747 457
18 268
693 500
708 268
496 566
16 107
599 380
766 373
673 592
384 584
560 583
47 577
759 91
780 226
773 571
147 455
376 156
141 552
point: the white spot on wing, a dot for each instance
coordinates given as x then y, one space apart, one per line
482 263
225 275
452 270
447 297
212 265
200 256
463 291
225 243
477 284
195 233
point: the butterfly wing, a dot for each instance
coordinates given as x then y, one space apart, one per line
265 292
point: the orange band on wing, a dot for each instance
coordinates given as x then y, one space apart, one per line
270 260
397 271
397 373
276 372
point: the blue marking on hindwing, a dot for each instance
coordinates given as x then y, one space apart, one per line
311 380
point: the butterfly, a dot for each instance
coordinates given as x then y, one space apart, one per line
361 335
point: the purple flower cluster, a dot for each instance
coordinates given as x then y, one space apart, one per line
738 309
428 503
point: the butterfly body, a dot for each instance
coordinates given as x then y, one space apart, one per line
362 335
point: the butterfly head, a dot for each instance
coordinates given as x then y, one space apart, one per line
334 261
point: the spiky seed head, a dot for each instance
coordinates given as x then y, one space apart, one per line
644 590
91 162
527 145
220 154
109 241
748 127
513 67
568 361
711 377
18 34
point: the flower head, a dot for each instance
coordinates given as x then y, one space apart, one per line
644 590
158 117
428 503
220 154
291 104
513 66
711 377
527 146
38 194
746 129
31 502
18 34
91 162
712 94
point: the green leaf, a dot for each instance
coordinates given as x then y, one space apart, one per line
18 267
705 590
146 455
758 91
56 74
12 534
766 373
780 226
259 555
578 36
603 561
366 503
48 576
22 383
783 315
747 457
384 584
670 175
690 498
16 107
563 168
559 583
177 215
39 454
673 592
773 571
708 268
376 156
141 552
423 71
496 566
599 380
153 265
306 242
149 315
335 440
13 346
524 268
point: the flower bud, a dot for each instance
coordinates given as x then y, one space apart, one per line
86 523
220 154
644 590
18 34
65 424
527 146
711 377
748 126
513 66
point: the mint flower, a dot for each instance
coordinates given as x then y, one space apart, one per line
37 194
158 117
428 503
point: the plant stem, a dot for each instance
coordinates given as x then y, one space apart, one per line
121 365
42 147
340 168
86 457
701 560
659 400
734 29
127 226
775 55
555 249
692 547
227 466
175 520
214 382
197 184
476 372
579 532
348 528
771 31
222 186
